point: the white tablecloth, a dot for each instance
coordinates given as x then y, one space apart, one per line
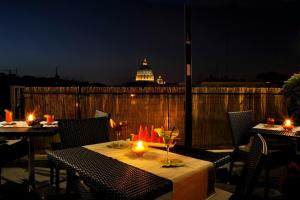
24 124
274 127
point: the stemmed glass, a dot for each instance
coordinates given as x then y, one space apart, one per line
169 138
118 128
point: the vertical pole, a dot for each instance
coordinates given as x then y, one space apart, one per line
188 77
78 103
168 112
17 101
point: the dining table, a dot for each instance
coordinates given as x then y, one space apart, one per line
19 129
120 173
279 132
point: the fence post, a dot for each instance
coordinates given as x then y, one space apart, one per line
188 78
77 104
17 101
249 101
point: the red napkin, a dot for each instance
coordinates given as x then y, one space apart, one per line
140 135
146 135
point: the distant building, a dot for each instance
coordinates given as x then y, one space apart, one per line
160 81
144 73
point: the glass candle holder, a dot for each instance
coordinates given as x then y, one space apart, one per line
30 118
139 147
288 125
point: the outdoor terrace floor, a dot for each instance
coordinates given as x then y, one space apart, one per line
13 186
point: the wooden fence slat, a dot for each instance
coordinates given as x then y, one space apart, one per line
159 106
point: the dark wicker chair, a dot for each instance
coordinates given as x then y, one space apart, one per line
253 165
54 172
241 122
10 151
80 132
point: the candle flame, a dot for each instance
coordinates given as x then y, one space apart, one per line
30 117
139 147
140 144
288 122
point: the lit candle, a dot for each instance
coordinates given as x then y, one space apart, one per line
139 147
30 118
288 124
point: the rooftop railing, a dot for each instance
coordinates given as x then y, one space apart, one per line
157 106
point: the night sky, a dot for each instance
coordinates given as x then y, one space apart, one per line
105 41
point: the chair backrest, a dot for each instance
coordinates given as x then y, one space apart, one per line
99 113
79 132
252 168
240 123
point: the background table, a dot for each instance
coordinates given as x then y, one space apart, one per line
278 132
21 129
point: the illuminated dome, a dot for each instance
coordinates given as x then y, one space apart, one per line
160 81
144 73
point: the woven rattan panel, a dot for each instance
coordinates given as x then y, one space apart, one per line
109 177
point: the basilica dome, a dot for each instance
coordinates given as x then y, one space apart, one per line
144 73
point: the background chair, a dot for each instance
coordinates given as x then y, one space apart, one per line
80 132
240 123
251 170
54 171
11 150
99 113
279 153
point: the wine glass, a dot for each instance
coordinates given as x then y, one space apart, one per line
118 128
118 133
169 138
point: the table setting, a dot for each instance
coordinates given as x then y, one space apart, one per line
178 168
143 142
30 127
287 127
30 121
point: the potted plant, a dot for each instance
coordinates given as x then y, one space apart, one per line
291 92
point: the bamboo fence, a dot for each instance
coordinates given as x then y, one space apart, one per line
158 107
